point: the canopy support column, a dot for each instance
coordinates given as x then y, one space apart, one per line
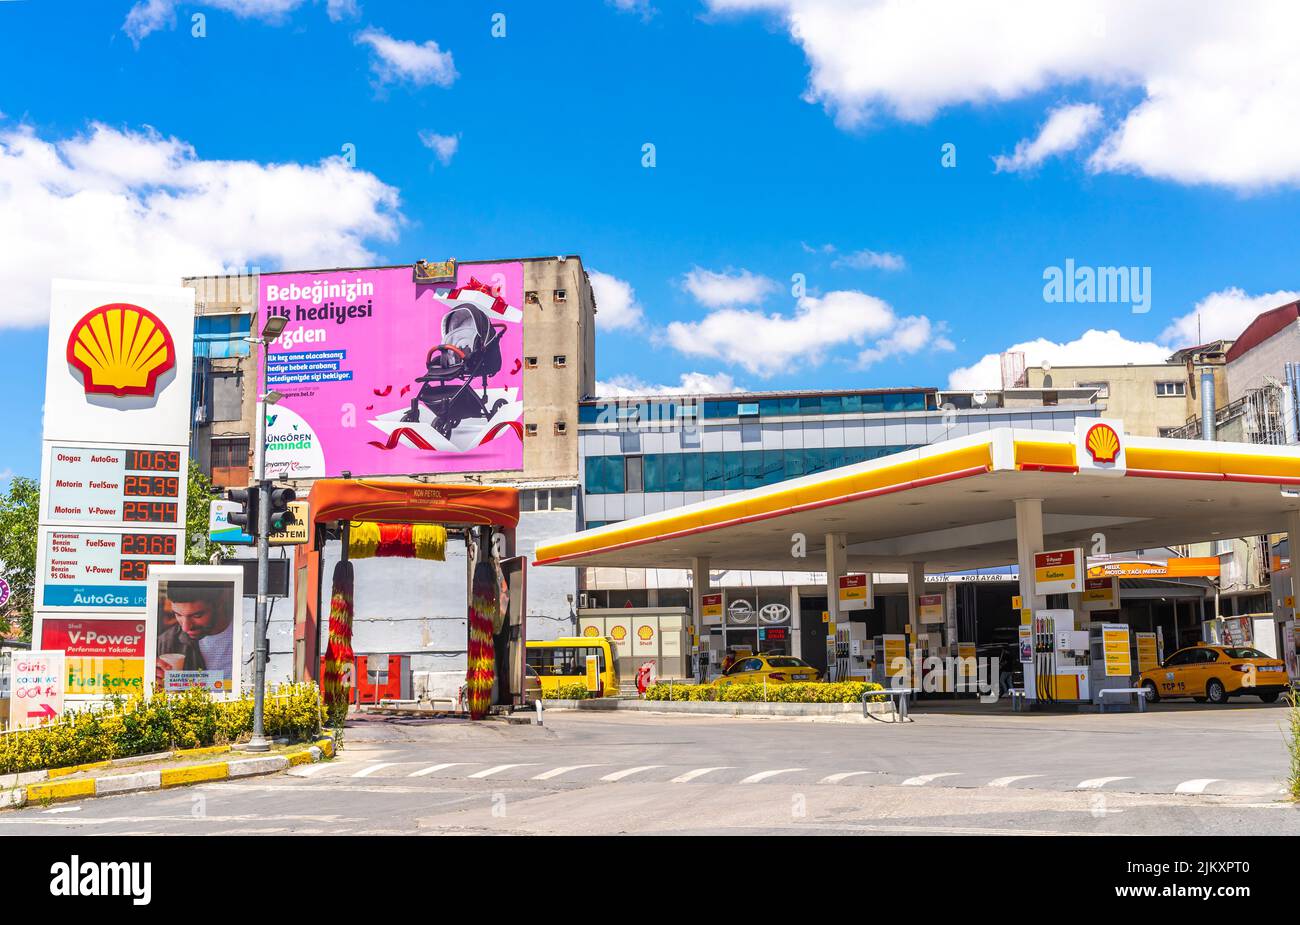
699 588
837 563
1293 544
1029 540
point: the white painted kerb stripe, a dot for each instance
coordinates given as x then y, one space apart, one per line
1197 785
923 779
1096 783
1008 781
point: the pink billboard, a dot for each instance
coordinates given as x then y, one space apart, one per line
385 376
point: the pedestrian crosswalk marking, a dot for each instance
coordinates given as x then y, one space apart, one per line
433 769
698 772
764 775
628 772
488 772
366 772
556 772
922 779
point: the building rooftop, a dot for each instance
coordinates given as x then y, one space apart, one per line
1262 328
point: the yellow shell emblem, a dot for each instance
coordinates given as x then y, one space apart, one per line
120 349
1102 443
645 632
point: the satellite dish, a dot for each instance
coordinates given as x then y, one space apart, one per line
1047 367
980 397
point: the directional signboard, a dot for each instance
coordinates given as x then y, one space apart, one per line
36 688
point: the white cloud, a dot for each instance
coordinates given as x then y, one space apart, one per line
911 335
444 146
397 60
1213 88
642 8
338 10
1223 314
1065 129
729 287
870 260
1092 348
148 16
137 206
766 344
616 304
689 384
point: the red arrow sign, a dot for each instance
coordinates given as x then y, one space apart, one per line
45 712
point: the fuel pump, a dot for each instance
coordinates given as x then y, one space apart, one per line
1058 669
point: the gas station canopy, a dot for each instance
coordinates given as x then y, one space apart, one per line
951 505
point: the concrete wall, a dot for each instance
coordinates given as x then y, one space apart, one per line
1132 392
1266 359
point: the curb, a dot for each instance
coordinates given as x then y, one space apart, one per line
725 708
47 790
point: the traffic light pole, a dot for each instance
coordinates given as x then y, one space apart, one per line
259 742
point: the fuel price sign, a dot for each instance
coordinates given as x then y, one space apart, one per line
115 485
102 570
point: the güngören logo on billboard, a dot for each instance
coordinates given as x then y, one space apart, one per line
120 349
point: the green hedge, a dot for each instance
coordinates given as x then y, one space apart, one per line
792 692
164 722
567 692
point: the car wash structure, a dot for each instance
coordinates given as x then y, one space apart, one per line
414 520
1041 500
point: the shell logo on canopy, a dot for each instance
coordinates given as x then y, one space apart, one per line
1102 443
120 349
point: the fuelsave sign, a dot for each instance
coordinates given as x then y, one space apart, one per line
103 657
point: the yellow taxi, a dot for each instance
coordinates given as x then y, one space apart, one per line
1215 673
778 669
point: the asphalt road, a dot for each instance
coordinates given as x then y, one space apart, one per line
1174 771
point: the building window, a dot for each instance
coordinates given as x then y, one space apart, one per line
530 297
545 499
560 361
561 428
530 430
227 397
633 472
530 362
560 295
230 462
222 335
1174 389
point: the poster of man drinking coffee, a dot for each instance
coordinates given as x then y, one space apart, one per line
198 638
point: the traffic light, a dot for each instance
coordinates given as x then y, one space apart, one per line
245 519
281 516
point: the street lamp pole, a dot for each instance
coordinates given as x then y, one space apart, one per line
259 743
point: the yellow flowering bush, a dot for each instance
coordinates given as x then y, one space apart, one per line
791 692
164 722
567 692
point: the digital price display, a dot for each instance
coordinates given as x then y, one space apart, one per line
131 486
102 570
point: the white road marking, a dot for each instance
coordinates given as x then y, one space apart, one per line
628 772
1096 783
1197 785
923 779
64 809
698 772
844 775
308 770
366 772
764 775
479 775
556 772
1008 781
433 769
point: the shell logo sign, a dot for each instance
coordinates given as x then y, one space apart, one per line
591 631
618 632
120 349
645 632
1102 443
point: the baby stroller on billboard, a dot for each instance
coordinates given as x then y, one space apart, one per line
470 351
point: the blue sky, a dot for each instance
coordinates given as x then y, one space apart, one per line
129 147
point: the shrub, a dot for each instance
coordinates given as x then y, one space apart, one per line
567 692
793 692
164 722
1293 745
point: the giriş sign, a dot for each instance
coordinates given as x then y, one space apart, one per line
119 363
